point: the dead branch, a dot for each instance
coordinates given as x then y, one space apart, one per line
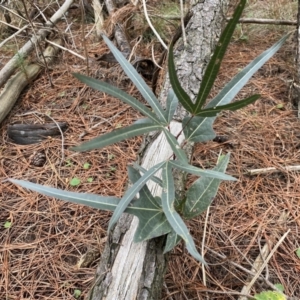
12 65
266 21
19 81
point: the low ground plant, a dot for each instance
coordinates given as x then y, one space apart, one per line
165 215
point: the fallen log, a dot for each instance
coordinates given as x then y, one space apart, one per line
13 63
131 270
20 80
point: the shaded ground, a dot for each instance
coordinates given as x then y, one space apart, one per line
42 255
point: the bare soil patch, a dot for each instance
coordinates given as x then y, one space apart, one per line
43 254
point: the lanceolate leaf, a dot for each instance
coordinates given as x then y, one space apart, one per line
117 93
182 96
200 195
213 111
117 136
213 67
95 201
238 81
200 172
200 129
137 80
172 103
172 240
152 220
131 192
178 225
179 153
91 200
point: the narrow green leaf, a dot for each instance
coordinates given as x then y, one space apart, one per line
178 225
153 178
117 136
172 103
213 111
131 192
181 94
213 67
95 201
137 80
179 153
91 200
200 195
172 241
200 129
152 220
117 93
200 172
237 82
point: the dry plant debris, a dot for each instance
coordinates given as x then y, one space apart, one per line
45 243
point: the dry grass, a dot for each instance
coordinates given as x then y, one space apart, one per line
41 252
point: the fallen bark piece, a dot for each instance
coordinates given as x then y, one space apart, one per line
26 134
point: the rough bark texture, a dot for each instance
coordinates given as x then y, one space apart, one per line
297 83
135 271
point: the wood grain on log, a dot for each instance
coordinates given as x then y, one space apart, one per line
135 271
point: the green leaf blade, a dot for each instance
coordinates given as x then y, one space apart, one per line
179 153
238 82
200 172
117 136
117 93
181 94
137 80
213 67
200 195
213 111
131 192
152 220
178 225
198 129
172 103
95 201
172 240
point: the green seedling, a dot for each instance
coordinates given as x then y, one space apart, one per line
166 214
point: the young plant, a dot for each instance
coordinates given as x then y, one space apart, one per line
164 215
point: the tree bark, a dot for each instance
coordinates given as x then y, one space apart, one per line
136 270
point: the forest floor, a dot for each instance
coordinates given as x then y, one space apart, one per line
44 242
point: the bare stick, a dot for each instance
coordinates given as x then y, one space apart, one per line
182 23
12 65
13 35
65 49
272 169
266 21
264 264
151 26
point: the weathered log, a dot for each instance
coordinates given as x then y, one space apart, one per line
13 63
20 80
135 271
